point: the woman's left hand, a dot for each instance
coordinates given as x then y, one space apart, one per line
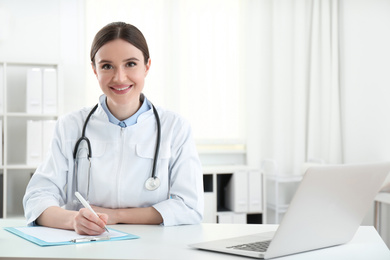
112 219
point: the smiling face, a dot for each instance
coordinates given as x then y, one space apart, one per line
121 70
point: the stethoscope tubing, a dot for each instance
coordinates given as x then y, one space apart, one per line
157 150
83 137
153 179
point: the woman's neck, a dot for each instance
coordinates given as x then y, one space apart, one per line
122 112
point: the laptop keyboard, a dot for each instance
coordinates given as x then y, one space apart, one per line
256 247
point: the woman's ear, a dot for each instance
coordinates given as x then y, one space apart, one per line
147 66
94 68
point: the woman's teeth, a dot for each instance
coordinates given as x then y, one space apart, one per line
123 88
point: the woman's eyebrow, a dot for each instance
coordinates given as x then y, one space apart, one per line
126 60
131 59
104 61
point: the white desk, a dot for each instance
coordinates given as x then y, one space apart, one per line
157 242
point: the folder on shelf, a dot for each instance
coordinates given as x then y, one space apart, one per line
1 194
34 91
236 193
239 218
255 192
34 142
45 236
1 142
1 88
49 91
229 217
210 207
225 217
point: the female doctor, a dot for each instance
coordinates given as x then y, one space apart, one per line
134 164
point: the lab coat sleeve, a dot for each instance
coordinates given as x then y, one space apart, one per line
47 186
186 202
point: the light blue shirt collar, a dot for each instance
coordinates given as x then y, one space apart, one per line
129 121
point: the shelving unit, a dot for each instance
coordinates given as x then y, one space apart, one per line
233 194
227 188
280 190
381 197
15 173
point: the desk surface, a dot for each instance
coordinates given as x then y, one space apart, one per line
158 242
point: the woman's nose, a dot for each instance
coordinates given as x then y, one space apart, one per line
120 75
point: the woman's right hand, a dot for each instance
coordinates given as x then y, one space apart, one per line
86 223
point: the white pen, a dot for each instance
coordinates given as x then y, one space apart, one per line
86 205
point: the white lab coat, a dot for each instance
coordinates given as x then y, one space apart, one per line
121 162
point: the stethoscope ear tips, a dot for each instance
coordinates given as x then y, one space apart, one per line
152 183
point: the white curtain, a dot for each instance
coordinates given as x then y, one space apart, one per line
194 46
300 94
262 74
324 93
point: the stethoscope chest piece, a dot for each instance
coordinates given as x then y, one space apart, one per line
152 183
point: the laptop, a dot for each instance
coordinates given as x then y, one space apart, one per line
326 210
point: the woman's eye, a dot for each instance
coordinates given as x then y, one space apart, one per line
131 64
106 67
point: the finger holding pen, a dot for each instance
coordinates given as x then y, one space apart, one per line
91 216
87 223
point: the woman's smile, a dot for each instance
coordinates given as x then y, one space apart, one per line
121 89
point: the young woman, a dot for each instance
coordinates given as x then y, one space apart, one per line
134 163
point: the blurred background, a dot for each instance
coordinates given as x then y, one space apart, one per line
287 81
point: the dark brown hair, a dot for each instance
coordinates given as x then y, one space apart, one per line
120 30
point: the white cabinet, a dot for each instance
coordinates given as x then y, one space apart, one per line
280 191
29 93
233 194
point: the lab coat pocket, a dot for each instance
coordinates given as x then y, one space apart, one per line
148 151
99 155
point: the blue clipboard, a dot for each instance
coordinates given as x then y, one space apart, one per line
45 236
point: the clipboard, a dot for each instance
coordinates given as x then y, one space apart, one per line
45 236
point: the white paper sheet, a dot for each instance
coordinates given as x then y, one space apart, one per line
54 235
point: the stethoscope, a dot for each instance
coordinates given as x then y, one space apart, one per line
152 183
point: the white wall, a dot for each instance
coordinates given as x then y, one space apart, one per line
53 31
255 78
73 54
30 33
365 80
47 31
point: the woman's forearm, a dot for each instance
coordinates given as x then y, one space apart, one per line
147 215
57 217
139 216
